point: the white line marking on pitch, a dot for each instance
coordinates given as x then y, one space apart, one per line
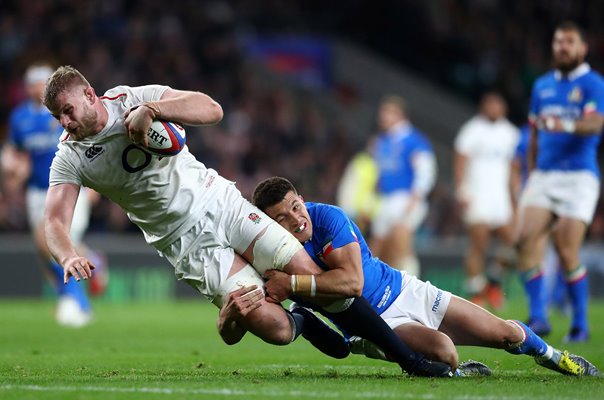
238 392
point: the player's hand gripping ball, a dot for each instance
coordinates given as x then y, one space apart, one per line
165 138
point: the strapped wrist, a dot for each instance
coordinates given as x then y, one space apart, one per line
304 285
153 107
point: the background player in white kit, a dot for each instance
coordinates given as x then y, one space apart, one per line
195 218
484 151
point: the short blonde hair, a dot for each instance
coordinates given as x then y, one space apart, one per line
65 77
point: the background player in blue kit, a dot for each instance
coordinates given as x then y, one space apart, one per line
566 116
428 319
26 158
407 171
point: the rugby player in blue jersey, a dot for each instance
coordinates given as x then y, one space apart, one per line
26 157
430 320
566 116
407 171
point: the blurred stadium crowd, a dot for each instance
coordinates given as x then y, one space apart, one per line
466 45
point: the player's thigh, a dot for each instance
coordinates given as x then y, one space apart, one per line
35 200
534 223
469 324
568 237
399 243
480 235
269 321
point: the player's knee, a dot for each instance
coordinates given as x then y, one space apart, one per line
273 329
509 334
443 349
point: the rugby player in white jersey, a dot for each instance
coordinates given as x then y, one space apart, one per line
484 153
195 218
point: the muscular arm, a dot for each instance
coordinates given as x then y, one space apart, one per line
60 203
184 107
344 278
345 275
459 170
189 108
590 124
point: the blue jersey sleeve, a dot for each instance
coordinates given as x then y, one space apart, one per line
15 135
333 228
594 99
534 104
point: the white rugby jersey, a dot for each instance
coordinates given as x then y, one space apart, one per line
490 148
165 196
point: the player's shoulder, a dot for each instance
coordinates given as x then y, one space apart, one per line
118 93
323 210
593 77
420 137
21 110
547 79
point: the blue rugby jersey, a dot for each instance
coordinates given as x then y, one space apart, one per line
32 129
393 153
332 229
568 97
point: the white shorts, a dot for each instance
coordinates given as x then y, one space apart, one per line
392 212
418 302
566 194
204 255
36 199
486 208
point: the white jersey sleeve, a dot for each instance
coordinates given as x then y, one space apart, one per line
424 166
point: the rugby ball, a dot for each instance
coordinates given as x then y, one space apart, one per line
165 138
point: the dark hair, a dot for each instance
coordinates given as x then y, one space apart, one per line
571 26
397 101
271 191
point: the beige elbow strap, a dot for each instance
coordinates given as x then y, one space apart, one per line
274 249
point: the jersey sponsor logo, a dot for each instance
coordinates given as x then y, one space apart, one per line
93 152
545 93
439 296
255 218
575 95
385 297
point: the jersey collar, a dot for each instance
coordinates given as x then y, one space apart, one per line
400 130
575 73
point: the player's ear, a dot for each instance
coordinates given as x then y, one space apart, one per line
90 94
301 198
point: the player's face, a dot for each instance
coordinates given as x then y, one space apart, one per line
389 115
493 107
35 91
291 213
74 110
568 49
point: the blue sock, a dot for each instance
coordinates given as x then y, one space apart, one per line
578 291
73 288
533 345
533 286
559 291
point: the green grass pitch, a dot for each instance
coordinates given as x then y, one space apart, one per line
172 351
